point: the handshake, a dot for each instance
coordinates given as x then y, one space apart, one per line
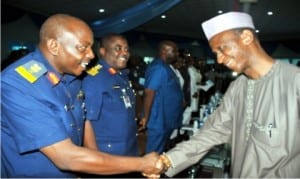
155 165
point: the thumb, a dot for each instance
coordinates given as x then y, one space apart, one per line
159 164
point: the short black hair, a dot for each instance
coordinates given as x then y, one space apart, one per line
106 38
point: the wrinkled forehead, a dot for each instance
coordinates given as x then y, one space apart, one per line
223 42
69 37
223 37
78 33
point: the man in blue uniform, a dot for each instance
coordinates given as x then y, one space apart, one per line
42 117
110 99
163 101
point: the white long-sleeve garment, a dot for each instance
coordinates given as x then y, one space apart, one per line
195 80
261 119
178 74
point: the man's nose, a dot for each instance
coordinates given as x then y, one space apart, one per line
220 57
90 54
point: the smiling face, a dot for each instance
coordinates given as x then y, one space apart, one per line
115 52
66 42
231 50
75 52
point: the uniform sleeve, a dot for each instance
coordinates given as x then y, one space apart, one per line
216 130
31 120
154 77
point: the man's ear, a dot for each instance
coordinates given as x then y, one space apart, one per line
102 51
52 46
247 37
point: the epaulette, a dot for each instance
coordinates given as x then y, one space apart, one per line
112 71
31 70
53 78
94 70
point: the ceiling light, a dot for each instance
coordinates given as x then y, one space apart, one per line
101 10
163 16
220 11
257 31
270 13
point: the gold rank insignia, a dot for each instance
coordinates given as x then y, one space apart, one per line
31 70
94 70
53 78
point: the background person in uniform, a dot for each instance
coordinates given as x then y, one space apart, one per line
163 98
42 117
110 99
259 114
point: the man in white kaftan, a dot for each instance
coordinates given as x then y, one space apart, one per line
261 120
260 112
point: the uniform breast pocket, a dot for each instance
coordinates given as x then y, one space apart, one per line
266 134
112 100
107 97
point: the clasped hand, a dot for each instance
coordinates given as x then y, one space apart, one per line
155 167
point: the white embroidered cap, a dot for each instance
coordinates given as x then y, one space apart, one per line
226 21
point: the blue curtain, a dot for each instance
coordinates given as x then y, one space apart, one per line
133 17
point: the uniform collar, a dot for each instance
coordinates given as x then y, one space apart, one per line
53 76
111 70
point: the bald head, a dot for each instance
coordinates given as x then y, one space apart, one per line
56 24
66 41
168 51
166 43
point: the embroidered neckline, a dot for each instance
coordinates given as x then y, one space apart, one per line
250 97
270 72
249 107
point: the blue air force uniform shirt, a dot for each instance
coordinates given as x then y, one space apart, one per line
39 108
110 104
167 107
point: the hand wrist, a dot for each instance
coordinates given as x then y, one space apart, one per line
165 159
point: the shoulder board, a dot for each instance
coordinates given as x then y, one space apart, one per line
31 70
53 78
112 71
94 70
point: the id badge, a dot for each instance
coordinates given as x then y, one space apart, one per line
126 101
